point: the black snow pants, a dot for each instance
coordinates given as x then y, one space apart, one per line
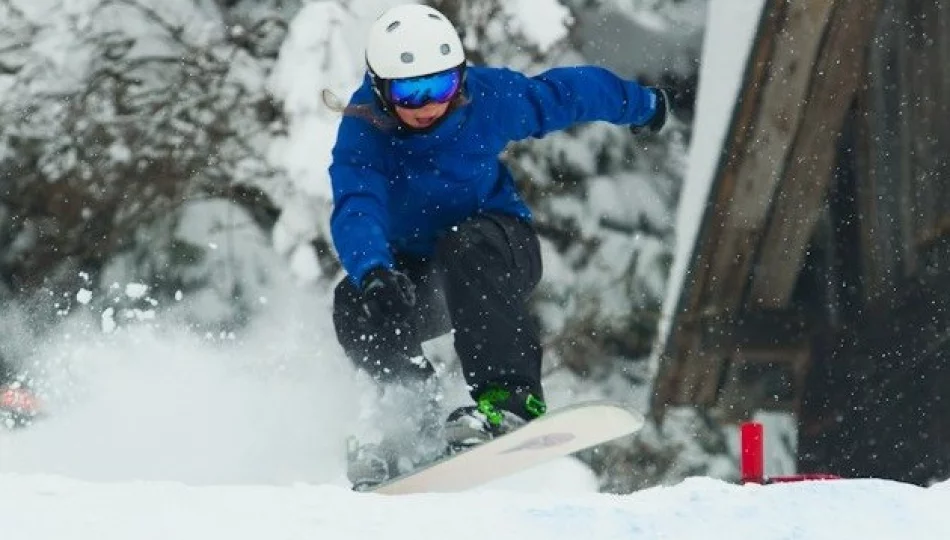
476 284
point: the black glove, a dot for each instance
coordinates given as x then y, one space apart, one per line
656 123
388 295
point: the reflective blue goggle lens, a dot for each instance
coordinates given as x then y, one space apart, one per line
417 92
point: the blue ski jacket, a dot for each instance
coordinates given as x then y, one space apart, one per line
398 191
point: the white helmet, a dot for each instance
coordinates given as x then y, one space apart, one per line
412 40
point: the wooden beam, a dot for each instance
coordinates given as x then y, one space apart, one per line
767 110
839 70
759 155
763 378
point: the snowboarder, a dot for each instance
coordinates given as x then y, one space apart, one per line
429 226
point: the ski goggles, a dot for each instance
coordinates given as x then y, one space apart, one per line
417 92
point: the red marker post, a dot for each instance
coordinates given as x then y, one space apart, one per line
752 459
752 453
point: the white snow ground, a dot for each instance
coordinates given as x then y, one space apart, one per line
52 508
165 437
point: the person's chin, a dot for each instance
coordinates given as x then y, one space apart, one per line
425 122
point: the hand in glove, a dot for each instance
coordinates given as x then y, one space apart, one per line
663 106
387 295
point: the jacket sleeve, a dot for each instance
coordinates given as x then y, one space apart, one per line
561 97
359 221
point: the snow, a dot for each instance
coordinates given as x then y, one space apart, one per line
159 433
152 402
730 30
84 296
136 290
323 50
53 508
316 54
542 22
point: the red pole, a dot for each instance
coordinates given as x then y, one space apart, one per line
752 462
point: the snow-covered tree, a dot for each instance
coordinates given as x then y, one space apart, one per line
113 115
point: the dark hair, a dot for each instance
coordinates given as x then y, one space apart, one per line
367 111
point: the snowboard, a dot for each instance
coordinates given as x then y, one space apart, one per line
558 433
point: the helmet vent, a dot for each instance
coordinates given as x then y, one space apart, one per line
392 26
445 49
407 57
434 16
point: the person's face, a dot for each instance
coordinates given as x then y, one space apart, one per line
424 117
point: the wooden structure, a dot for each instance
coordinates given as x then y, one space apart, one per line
820 280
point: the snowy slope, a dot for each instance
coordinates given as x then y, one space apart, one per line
51 508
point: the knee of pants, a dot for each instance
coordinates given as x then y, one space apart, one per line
497 248
472 246
460 240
